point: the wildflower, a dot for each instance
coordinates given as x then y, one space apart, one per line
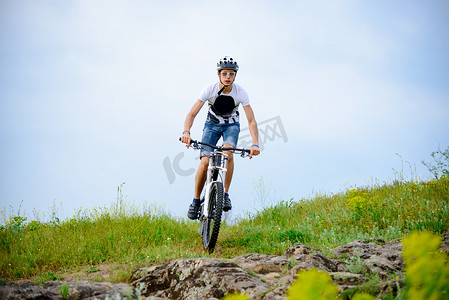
312 284
426 268
356 203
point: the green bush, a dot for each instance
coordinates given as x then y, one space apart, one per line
439 166
312 285
426 267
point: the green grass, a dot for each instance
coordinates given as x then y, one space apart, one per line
91 238
388 211
142 237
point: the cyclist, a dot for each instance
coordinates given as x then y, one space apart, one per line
223 98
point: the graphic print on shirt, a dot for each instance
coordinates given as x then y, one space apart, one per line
224 108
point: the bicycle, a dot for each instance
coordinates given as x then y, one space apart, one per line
212 201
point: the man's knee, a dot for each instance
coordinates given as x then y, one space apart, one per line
204 162
229 153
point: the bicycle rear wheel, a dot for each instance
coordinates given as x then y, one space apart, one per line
211 223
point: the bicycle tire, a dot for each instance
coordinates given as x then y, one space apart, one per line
211 223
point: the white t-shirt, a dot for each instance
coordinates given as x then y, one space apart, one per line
224 108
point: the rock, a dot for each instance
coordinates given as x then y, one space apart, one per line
259 276
309 261
86 289
76 290
378 256
261 263
347 279
297 249
26 290
267 268
197 278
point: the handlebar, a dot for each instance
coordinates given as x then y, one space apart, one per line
195 144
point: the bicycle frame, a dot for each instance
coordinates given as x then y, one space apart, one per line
218 162
214 192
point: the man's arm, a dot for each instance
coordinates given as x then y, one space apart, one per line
253 130
189 121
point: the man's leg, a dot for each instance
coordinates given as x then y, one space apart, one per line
230 138
210 136
201 176
200 179
230 168
227 202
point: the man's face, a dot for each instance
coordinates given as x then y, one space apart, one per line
227 76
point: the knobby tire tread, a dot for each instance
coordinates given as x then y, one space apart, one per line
217 198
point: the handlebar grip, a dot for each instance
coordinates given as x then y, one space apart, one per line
191 141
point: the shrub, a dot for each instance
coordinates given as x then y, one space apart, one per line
312 284
440 165
426 267
236 297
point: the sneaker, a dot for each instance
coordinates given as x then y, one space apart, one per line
194 211
227 203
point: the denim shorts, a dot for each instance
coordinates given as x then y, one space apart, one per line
213 131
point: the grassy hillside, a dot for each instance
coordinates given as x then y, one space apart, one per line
130 237
134 237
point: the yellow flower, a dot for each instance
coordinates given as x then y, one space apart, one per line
356 202
312 284
236 297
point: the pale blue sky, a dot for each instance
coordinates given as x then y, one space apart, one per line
94 93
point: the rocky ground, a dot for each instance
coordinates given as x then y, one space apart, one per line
259 276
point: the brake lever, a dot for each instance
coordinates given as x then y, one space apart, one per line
244 154
195 145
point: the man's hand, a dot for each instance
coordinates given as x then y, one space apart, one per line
186 138
254 151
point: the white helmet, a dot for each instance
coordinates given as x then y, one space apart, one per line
227 63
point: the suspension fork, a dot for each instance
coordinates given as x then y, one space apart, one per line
218 162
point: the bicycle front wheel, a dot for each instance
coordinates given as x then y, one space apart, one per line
211 223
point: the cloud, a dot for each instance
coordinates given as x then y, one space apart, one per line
95 93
